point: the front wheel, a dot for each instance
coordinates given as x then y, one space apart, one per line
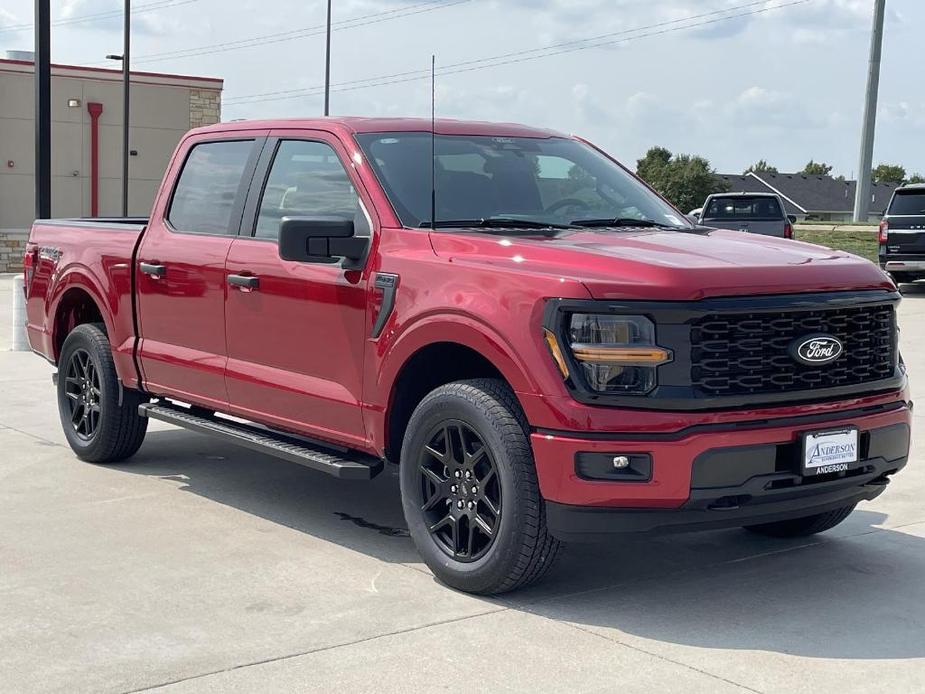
469 489
801 527
99 417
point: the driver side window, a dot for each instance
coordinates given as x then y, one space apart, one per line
306 179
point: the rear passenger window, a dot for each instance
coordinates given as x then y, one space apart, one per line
208 186
306 180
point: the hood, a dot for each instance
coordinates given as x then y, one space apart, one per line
663 264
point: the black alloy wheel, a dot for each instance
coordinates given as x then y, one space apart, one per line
82 388
461 491
98 414
469 489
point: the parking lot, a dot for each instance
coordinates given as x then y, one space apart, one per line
199 566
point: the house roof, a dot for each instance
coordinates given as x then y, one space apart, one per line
810 194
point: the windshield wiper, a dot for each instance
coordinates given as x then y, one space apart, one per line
624 222
494 223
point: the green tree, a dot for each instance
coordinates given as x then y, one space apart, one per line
761 166
814 168
916 178
684 179
888 173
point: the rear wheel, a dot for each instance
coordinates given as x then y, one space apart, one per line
902 278
801 527
100 417
469 489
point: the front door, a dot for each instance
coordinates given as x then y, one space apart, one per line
296 338
180 279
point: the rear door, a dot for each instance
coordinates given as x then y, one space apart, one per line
760 214
296 339
906 218
180 283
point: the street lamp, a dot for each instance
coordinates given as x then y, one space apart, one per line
125 60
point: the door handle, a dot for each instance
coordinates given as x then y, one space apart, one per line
244 281
153 269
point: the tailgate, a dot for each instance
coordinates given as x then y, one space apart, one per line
906 236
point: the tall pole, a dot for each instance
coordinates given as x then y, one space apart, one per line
327 67
126 93
42 79
862 197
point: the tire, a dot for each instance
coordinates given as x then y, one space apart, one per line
100 417
900 278
801 527
488 438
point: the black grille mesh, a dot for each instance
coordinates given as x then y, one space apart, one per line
747 353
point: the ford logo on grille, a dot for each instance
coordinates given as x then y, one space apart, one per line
816 350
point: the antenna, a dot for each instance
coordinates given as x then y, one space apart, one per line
433 141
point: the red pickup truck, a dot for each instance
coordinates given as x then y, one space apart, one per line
547 348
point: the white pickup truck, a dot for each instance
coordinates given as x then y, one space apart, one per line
756 213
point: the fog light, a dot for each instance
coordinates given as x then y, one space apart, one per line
620 462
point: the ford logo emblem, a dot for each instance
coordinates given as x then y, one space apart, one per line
816 350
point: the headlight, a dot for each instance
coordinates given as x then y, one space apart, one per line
617 355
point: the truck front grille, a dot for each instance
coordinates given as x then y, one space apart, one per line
748 353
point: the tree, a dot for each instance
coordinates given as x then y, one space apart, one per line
814 168
684 179
916 178
761 166
888 173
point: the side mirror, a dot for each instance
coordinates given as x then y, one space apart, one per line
320 240
792 218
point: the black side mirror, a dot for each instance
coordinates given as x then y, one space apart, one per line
792 218
320 240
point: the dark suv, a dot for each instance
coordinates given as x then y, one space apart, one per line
902 234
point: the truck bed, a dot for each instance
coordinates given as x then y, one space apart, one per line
69 259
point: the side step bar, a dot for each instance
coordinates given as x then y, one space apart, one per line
347 466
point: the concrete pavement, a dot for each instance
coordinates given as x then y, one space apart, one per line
201 567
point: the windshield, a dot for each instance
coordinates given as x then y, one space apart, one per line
912 203
553 181
743 207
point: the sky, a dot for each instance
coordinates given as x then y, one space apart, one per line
734 81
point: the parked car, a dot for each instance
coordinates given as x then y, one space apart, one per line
902 234
756 213
546 348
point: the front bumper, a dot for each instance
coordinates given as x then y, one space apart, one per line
715 476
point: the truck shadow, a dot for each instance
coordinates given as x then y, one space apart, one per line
854 593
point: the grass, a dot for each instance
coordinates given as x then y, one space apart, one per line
862 243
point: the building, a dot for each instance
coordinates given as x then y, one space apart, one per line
86 135
812 198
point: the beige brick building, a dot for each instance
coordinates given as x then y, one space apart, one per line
84 99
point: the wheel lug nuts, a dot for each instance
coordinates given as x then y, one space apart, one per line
454 489
459 504
457 474
475 490
468 475
471 505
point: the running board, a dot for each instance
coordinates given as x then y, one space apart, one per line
346 466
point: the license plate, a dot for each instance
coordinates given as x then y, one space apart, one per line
825 452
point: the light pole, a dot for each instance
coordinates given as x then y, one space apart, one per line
862 197
126 94
327 66
42 77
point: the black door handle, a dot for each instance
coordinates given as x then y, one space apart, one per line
244 281
153 269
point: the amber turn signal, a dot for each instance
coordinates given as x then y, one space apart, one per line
556 352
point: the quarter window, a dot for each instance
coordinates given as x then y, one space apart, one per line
208 187
307 179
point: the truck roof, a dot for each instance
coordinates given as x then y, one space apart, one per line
743 194
356 124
